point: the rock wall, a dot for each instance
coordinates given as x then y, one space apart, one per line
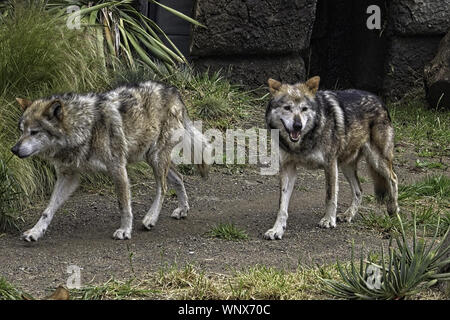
255 39
414 28
252 40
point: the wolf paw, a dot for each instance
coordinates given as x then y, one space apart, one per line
274 234
149 222
347 216
327 223
32 235
179 213
122 234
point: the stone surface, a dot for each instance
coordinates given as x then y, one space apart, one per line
254 72
252 27
420 17
437 76
405 61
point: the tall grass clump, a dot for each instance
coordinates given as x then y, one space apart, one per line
9 193
40 56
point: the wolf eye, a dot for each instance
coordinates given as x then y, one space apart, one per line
287 108
33 132
304 109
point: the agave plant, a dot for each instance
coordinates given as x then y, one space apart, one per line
407 269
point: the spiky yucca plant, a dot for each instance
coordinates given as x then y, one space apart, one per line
407 269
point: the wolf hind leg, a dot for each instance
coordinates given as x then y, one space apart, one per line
160 163
350 173
176 180
384 179
122 184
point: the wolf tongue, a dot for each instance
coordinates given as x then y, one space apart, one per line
295 134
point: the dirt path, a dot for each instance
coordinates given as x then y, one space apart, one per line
80 233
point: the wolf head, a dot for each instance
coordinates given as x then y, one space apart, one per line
41 125
292 108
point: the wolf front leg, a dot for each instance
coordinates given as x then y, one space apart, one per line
332 187
66 183
122 184
287 181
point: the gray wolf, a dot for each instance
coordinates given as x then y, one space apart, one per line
330 130
79 133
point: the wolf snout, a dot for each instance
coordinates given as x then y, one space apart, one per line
297 126
15 149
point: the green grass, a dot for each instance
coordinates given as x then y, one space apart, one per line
427 199
437 186
414 123
192 283
112 290
269 283
430 165
10 191
227 231
8 291
380 222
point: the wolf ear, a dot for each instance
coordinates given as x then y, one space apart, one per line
55 110
313 84
274 85
24 103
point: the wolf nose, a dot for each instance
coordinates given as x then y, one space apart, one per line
15 149
297 126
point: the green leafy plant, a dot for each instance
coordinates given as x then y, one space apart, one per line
125 30
406 270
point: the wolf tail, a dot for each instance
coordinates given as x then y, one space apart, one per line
380 160
199 140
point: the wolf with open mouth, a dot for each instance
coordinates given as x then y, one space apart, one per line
330 130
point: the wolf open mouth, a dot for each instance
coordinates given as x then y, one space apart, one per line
294 135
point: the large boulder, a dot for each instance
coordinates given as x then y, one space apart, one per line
420 17
437 76
405 61
245 27
254 71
